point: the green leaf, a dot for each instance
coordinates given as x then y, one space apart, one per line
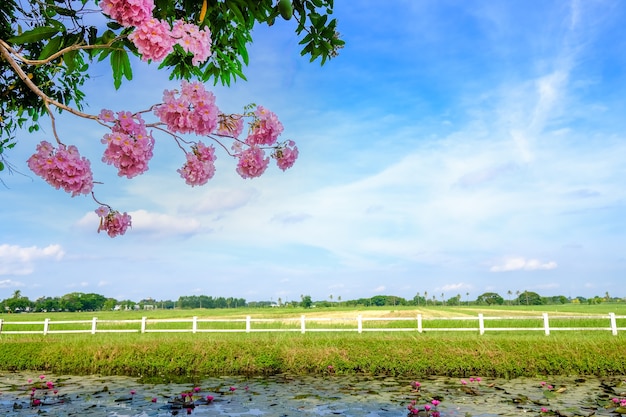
51 47
34 35
70 60
120 64
1 166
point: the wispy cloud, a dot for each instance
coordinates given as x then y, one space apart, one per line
18 260
522 264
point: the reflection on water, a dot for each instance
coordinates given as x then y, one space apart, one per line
284 395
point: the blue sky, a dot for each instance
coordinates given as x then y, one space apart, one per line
450 148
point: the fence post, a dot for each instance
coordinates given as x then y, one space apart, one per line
359 323
46 323
419 323
1 325
93 325
546 324
143 324
481 324
194 325
302 324
248 324
613 324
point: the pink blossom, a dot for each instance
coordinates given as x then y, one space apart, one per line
115 223
129 146
209 398
200 166
265 129
251 163
231 389
106 115
102 211
427 407
463 382
193 40
154 399
544 410
435 402
153 39
286 155
128 12
193 111
62 168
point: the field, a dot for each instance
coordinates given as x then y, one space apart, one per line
408 353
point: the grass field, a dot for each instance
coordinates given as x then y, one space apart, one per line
459 354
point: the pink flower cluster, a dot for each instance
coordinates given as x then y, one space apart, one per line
425 410
252 162
193 111
154 38
112 221
193 40
129 146
62 168
265 128
200 166
128 12
286 155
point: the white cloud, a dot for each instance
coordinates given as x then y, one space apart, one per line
18 260
8 283
522 264
455 287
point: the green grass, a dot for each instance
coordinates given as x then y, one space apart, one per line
456 354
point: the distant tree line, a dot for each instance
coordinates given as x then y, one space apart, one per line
77 301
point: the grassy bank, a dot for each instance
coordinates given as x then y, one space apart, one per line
186 355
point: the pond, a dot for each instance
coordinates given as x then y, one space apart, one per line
329 395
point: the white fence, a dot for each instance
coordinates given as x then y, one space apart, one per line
305 324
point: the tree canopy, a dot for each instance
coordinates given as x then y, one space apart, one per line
47 47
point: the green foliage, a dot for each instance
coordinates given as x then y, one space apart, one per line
188 355
306 301
490 298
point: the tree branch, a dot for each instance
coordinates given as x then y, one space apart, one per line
6 52
63 51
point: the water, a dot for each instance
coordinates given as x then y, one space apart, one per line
328 395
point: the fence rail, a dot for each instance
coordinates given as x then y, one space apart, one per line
303 324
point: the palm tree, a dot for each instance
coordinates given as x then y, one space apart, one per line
467 295
509 292
517 293
426 297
